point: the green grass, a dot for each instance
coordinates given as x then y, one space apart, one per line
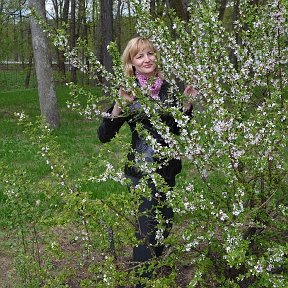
76 137
13 140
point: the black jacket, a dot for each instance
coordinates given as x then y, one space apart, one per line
110 126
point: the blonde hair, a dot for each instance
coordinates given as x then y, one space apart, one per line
133 47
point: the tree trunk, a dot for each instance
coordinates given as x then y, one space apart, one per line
64 21
82 32
106 31
73 37
117 35
185 9
57 6
65 11
1 20
22 56
29 71
153 8
29 67
237 36
179 8
46 87
222 8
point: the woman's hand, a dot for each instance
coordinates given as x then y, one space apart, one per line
190 94
126 96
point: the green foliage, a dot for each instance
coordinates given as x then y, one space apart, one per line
34 190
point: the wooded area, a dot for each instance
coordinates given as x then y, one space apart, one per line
97 22
93 21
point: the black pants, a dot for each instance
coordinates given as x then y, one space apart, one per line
147 223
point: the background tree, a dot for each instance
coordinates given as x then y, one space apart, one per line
73 36
222 7
42 56
106 31
60 19
180 8
77 18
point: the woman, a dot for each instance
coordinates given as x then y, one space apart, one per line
140 60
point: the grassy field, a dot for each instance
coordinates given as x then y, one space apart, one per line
76 135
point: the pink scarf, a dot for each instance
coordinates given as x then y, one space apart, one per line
144 82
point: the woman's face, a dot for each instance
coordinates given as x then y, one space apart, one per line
144 61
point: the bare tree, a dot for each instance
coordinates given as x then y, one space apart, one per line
180 7
1 22
61 9
73 36
153 7
236 15
118 27
222 7
42 57
106 31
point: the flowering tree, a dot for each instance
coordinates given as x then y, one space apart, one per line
230 203
236 142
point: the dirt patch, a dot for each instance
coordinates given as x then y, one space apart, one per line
74 265
7 271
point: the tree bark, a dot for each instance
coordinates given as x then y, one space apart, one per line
106 31
64 21
179 7
57 6
73 37
117 29
237 36
29 70
42 56
222 8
